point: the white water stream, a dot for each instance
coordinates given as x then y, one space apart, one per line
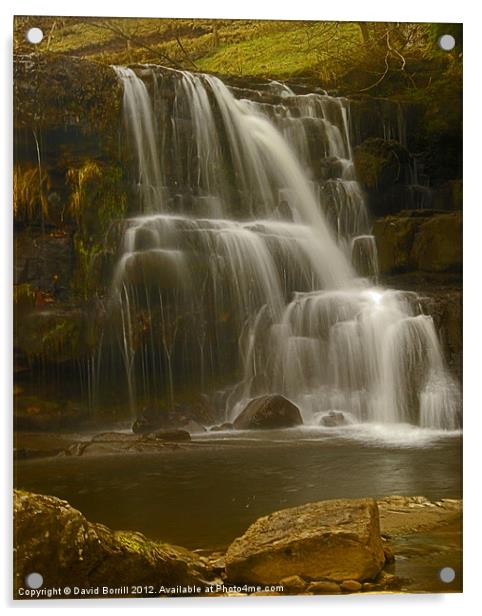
252 247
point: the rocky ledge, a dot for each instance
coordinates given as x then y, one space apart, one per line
328 547
419 240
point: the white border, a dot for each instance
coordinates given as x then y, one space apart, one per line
366 10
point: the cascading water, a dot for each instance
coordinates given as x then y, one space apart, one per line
251 259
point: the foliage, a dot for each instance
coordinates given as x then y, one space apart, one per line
356 56
86 280
30 189
97 198
61 338
379 163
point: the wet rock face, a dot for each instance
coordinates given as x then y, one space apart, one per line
65 93
333 540
380 163
445 306
424 241
268 412
37 414
44 261
57 332
55 540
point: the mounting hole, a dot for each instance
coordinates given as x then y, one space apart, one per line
34 580
446 42
34 35
447 575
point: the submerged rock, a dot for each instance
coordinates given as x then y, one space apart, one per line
333 540
116 443
270 411
149 421
170 435
332 419
55 540
193 427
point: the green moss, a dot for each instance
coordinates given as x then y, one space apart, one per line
53 335
133 542
64 334
379 163
98 197
86 281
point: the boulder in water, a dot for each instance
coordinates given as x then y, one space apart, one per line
333 540
193 427
170 435
56 540
333 419
266 412
149 421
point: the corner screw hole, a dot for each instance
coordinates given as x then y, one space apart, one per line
34 36
447 575
34 580
446 42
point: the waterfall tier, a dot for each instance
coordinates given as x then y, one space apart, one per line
251 260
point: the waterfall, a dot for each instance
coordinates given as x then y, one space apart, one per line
250 262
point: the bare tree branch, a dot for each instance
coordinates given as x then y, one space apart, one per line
116 30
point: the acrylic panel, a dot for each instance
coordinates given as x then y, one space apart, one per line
237 307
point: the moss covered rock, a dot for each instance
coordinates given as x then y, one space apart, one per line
55 540
56 333
57 92
438 244
424 241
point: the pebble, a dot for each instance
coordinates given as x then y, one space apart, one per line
293 584
351 586
324 588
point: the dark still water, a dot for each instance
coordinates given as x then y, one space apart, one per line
206 493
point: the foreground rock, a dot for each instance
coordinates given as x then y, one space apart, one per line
54 539
332 540
268 412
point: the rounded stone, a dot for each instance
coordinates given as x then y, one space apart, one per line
324 588
351 586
